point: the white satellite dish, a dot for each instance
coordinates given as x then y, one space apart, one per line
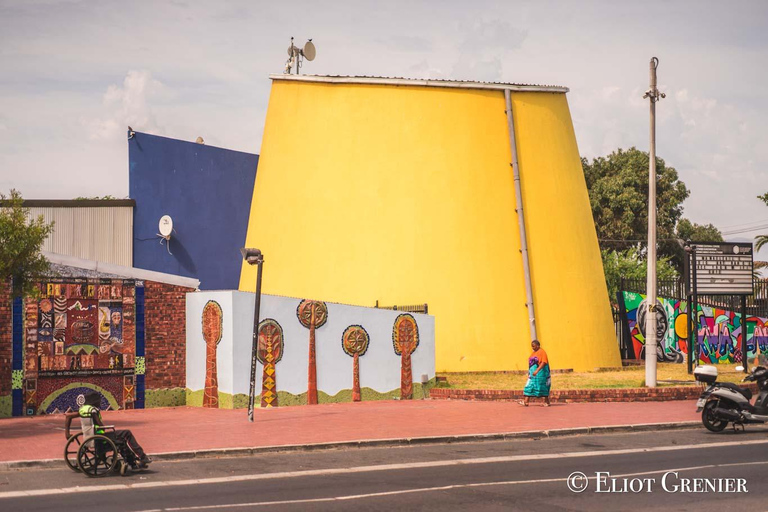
309 51
166 226
296 55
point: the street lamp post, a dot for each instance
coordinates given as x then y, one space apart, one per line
650 327
254 257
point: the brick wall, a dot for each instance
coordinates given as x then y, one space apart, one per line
6 345
165 335
580 395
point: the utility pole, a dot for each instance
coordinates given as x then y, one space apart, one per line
650 319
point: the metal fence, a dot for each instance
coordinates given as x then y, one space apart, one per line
417 308
757 304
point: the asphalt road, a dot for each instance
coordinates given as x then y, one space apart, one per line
509 475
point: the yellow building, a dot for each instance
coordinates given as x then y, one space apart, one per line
403 191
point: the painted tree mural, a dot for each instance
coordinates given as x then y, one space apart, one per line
212 329
354 341
405 338
269 353
312 314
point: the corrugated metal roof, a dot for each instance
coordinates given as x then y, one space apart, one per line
90 232
428 82
78 203
71 266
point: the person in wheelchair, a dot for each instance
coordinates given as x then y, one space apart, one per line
92 424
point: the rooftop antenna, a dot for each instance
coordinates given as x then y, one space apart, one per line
296 56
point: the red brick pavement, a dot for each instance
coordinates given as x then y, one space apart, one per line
189 429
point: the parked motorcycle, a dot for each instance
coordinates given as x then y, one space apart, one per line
724 402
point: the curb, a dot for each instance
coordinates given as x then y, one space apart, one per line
375 443
665 394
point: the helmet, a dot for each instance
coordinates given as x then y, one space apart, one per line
93 398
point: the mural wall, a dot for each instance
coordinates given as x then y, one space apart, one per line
308 351
78 336
719 332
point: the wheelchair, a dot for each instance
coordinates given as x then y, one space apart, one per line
98 455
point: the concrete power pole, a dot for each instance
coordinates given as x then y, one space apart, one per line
650 319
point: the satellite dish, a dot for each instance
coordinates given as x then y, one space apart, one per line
309 51
166 226
296 54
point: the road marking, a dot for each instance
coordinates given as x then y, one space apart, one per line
435 489
368 469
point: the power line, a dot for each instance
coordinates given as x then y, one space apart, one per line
745 230
744 224
637 241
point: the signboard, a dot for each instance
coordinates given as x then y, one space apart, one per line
722 268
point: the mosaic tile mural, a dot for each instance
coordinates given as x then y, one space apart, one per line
355 341
269 352
77 336
390 353
405 338
212 331
312 314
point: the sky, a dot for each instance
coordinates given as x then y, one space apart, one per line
74 74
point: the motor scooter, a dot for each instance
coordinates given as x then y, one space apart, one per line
724 402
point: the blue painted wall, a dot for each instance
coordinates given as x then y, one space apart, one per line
207 191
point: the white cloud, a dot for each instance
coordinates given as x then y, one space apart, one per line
484 44
129 105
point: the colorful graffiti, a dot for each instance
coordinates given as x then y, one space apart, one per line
269 353
355 341
212 329
312 314
718 332
78 336
405 338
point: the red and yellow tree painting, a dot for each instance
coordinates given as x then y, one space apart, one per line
355 342
405 338
212 328
269 353
312 315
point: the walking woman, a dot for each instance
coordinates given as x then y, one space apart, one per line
539 380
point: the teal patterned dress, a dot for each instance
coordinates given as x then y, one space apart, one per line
539 384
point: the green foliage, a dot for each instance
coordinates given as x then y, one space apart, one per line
95 198
630 265
762 240
618 195
172 397
21 240
691 232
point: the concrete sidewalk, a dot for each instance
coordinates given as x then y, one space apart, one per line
188 429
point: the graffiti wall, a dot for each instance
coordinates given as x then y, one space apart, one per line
308 351
718 332
78 336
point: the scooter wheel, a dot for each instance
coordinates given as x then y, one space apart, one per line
123 469
710 421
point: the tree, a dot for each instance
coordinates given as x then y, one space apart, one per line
629 264
691 232
21 240
687 231
618 195
761 240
